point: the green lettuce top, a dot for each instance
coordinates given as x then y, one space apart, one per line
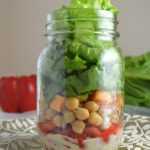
94 4
74 65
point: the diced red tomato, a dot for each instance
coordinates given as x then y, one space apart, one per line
80 138
46 127
92 132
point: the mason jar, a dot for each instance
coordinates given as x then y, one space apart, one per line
81 82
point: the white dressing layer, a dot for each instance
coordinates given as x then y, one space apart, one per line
60 142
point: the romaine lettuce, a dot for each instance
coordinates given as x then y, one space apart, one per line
137 85
94 4
75 57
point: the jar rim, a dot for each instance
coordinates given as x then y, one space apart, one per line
99 13
58 21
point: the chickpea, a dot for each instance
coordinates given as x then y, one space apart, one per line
78 127
82 113
95 119
91 106
72 103
69 117
58 121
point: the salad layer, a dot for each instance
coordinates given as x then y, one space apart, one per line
81 77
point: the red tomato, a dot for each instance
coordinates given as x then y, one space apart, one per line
92 132
46 127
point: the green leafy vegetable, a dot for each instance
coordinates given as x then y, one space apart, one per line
76 64
86 52
137 87
94 4
83 82
72 65
51 68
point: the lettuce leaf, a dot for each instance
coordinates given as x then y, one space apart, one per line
86 52
72 66
83 82
137 85
94 4
76 64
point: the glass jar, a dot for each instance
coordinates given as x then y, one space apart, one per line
81 82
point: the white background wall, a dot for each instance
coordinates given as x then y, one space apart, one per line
22 31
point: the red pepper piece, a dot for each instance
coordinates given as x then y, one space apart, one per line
1 81
114 129
9 95
27 90
80 139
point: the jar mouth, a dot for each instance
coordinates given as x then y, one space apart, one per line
58 15
68 20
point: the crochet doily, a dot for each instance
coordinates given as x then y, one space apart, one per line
21 134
